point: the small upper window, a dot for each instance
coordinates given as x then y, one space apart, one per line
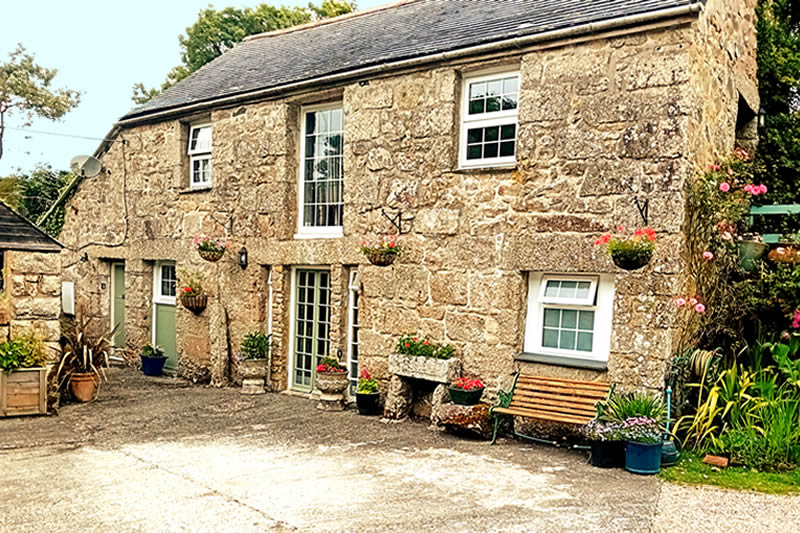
489 124
200 156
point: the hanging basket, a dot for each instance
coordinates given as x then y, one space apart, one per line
195 304
211 255
381 259
632 261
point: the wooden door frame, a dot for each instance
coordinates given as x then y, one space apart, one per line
113 285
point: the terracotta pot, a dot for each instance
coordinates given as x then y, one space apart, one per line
212 256
381 259
195 304
84 386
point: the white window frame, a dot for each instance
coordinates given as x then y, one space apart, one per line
200 155
487 120
158 297
353 289
602 304
315 232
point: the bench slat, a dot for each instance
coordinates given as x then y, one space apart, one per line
562 409
540 379
565 392
564 386
583 409
544 415
533 396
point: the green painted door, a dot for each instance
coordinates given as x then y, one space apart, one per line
165 288
118 303
312 325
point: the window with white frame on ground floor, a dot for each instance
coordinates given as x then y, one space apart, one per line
489 120
200 167
569 316
321 202
166 283
352 346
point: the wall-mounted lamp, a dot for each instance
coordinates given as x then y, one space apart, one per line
243 258
762 118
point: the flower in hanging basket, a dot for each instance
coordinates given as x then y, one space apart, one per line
382 253
191 292
208 248
630 252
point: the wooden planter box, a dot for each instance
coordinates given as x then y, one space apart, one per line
23 392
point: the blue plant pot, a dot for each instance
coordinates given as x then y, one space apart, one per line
641 458
153 366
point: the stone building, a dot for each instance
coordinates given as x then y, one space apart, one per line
506 135
30 280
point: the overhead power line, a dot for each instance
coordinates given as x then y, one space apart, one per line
40 132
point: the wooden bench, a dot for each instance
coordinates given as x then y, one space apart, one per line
552 399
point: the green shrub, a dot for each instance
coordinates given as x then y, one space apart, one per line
256 345
153 351
24 351
619 408
366 383
413 345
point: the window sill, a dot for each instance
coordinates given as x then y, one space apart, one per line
562 360
332 234
487 169
191 190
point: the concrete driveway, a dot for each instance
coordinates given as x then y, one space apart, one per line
158 455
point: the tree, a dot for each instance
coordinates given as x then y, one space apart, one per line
25 89
779 87
218 31
32 195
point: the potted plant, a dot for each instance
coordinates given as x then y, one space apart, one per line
254 366
23 376
367 395
630 252
84 358
210 249
191 292
787 251
608 448
751 248
153 359
465 391
382 253
644 438
331 383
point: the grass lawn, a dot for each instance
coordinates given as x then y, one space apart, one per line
690 469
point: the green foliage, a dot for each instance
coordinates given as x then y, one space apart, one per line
82 351
33 194
422 347
621 407
25 90
366 383
690 469
216 31
190 282
153 351
631 251
256 345
23 351
642 429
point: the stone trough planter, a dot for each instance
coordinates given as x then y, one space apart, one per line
405 368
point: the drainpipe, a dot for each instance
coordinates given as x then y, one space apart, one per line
517 42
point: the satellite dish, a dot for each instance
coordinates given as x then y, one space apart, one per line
86 166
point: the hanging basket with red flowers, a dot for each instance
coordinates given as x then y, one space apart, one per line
630 252
191 291
382 253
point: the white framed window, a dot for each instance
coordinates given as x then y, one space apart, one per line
200 167
320 198
489 123
569 316
165 283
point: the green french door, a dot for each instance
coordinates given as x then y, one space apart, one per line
164 294
312 325
118 304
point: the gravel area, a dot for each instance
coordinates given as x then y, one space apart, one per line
160 455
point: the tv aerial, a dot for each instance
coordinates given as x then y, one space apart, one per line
86 166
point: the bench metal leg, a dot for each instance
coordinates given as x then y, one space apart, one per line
494 433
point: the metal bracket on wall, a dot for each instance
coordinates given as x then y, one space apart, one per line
644 209
396 220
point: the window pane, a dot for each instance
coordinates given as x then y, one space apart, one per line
490 150
493 104
474 135
585 341
510 85
491 134
494 87
508 132
583 289
586 320
507 148
550 338
200 140
474 152
323 171
477 106
551 289
477 90
311 122
569 319
552 317
567 340
336 120
509 103
567 289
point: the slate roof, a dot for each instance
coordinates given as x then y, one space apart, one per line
397 32
18 233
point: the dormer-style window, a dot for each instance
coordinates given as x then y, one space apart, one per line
489 120
200 156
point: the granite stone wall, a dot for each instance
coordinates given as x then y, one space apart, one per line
602 122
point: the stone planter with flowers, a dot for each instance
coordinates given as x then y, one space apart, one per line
331 381
254 356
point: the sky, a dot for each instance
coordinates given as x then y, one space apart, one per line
100 48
